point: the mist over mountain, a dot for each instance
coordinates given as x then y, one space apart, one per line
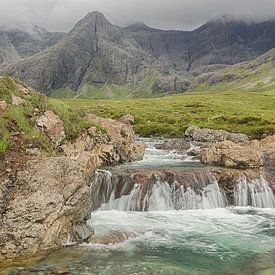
97 53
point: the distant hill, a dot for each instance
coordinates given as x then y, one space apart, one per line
18 43
97 57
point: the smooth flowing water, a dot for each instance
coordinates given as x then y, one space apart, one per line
176 230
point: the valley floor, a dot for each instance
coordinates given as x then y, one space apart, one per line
246 112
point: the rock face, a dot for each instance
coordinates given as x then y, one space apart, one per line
46 201
16 43
241 156
51 124
95 53
194 133
42 206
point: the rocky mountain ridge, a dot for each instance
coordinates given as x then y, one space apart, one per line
19 43
97 53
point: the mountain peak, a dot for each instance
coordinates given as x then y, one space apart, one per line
139 26
91 19
94 14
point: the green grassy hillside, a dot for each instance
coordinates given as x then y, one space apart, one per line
247 112
17 123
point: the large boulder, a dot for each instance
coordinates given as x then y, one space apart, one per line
51 196
51 124
194 133
231 155
242 156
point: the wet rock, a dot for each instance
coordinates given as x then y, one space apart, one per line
269 166
3 105
194 133
82 233
127 119
114 237
51 124
194 151
17 101
173 144
60 271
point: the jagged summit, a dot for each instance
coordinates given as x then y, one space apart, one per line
97 53
90 20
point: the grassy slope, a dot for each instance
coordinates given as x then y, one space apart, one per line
17 123
246 104
247 112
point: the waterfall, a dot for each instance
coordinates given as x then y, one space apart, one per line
146 190
254 192
159 191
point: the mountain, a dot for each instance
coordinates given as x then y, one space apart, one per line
96 54
18 43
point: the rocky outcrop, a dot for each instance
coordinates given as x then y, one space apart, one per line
127 119
242 156
194 133
51 124
45 201
121 137
231 155
41 207
93 149
17 101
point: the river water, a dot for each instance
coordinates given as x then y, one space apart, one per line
230 240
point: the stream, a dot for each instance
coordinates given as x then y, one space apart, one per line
170 229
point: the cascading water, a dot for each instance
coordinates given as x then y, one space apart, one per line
186 190
192 231
256 193
200 191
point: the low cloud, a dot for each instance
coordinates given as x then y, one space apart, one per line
61 15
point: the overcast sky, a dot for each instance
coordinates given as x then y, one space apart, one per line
61 15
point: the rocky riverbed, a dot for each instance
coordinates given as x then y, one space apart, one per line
50 199
170 213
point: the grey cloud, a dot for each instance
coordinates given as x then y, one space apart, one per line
61 15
